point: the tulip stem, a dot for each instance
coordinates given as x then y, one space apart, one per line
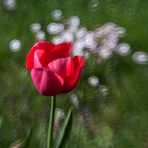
51 122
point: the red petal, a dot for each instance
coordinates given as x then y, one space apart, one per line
47 82
42 45
42 57
62 50
63 67
71 82
37 58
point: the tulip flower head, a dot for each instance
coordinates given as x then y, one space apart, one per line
53 69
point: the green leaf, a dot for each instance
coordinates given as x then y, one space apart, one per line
51 122
27 142
65 132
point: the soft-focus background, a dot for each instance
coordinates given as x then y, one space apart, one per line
111 111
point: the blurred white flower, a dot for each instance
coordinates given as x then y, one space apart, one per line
111 43
40 35
108 37
120 31
78 48
9 4
140 57
103 40
106 29
104 90
72 29
67 36
56 15
104 52
57 40
81 33
109 27
54 28
123 49
74 100
35 27
15 45
74 21
93 81
90 41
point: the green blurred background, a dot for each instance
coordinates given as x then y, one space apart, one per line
118 120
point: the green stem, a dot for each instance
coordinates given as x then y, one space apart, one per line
51 122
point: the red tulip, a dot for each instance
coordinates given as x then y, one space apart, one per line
53 70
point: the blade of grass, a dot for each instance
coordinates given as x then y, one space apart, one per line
65 132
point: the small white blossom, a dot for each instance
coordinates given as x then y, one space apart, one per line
123 49
90 41
93 81
56 15
40 35
81 33
15 45
9 4
140 57
57 40
35 27
67 36
74 21
78 48
54 28
104 52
